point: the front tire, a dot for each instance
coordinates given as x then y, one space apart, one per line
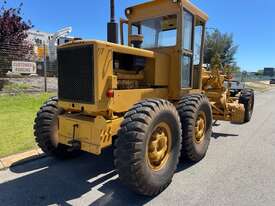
46 131
196 119
148 147
247 98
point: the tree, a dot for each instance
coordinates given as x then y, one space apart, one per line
234 68
13 34
222 45
260 72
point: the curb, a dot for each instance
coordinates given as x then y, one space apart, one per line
20 158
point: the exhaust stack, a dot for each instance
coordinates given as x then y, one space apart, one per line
112 27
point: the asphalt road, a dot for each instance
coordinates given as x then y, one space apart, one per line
239 170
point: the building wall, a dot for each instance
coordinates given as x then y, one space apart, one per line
269 71
38 38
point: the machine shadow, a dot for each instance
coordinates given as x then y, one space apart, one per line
117 195
217 135
49 181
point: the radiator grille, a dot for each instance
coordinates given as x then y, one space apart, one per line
76 74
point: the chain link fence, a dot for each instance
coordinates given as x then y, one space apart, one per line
11 51
250 77
25 53
38 55
22 68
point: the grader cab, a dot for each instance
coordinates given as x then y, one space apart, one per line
152 99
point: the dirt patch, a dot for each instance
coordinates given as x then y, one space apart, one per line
27 85
259 85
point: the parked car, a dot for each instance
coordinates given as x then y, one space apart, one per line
272 81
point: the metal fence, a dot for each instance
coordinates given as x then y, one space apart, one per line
250 77
12 52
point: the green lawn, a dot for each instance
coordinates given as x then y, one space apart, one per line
17 114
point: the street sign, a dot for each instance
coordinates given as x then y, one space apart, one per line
40 52
23 67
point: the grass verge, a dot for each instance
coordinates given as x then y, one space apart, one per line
16 122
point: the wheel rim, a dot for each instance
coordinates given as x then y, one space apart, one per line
200 128
54 133
159 146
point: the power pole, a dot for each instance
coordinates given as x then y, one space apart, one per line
45 69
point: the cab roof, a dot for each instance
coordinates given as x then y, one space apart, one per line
158 7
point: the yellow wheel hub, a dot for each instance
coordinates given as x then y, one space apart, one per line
200 128
159 146
54 133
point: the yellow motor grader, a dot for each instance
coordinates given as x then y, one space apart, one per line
152 98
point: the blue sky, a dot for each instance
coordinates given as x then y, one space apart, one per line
251 22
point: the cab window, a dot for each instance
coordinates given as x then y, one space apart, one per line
187 49
157 32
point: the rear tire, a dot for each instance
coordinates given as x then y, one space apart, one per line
247 98
45 131
196 119
148 147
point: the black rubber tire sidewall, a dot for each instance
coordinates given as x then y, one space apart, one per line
160 177
202 148
189 109
132 144
42 129
246 96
